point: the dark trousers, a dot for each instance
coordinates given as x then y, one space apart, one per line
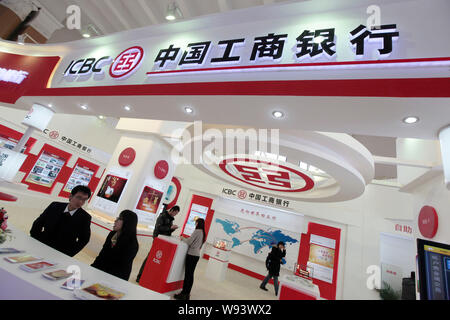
141 270
275 282
189 268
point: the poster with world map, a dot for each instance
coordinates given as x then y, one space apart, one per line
255 240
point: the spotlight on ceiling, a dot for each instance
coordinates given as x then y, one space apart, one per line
410 120
278 114
173 11
127 108
101 117
84 107
188 110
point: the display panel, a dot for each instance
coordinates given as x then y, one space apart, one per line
81 175
46 169
321 257
149 200
112 188
434 270
196 211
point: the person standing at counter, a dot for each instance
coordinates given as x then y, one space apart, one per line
65 227
164 225
273 263
195 243
120 248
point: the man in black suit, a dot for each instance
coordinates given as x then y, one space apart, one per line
65 227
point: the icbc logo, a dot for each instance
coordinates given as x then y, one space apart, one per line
158 257
242 194
54 134
126 63
266 175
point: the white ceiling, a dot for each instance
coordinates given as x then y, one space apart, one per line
111 16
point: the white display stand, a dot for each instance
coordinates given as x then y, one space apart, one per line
217 264
17 284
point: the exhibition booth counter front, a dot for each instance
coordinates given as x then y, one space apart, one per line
30 270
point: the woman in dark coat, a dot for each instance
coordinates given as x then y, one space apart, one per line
120 248
273 263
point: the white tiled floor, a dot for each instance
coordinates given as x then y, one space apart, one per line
237 286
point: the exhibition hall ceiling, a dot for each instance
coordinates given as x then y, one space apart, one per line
103 17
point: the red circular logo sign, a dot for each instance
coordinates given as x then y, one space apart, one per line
127 157
428 221
161 169
242 194
54 134
265 175
126 63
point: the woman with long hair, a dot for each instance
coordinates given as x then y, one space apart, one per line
195 243
120 248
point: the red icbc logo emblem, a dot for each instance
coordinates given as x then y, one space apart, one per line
242 194
54 134
266 175
126 63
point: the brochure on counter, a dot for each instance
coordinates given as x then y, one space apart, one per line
21 259
98 291
37 266
57 275
10 251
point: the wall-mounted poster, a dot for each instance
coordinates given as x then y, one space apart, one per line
112 188
149 200
321 257
46 169
81 175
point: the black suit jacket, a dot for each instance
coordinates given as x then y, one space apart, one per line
65 233
117 260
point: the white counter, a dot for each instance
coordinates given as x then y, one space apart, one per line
19 284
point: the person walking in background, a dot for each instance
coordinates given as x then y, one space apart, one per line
120 248
273 262
65 227
195 243
164 225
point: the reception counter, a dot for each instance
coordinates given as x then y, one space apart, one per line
18 284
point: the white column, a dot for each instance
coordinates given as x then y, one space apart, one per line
140 174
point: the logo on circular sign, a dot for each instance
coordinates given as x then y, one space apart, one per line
159 254
161 169
242 194
428 221
126 63
266 175
54 134
127 157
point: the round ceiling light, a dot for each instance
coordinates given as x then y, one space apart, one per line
127 108
84 107
188 110
410 120
278 114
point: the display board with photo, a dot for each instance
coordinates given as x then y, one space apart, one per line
81 175
112 188
46 169
149 200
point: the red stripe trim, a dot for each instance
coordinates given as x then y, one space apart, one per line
241 270
412 87
142 235
302 65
